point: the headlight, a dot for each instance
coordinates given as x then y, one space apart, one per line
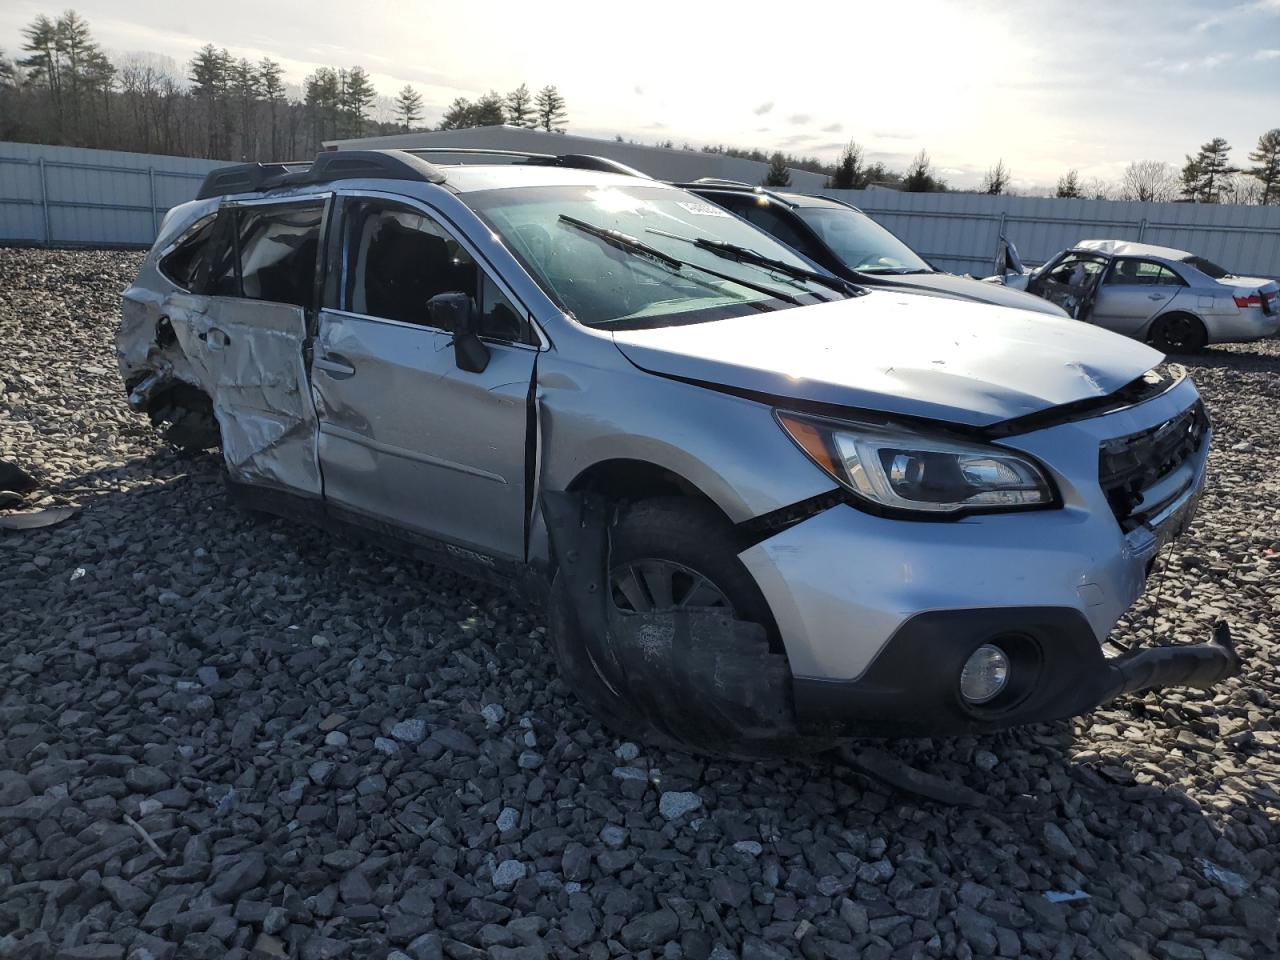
901 469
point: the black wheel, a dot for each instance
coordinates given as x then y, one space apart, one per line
1178 333
184 417
664 554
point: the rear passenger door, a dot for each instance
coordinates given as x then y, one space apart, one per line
406 437
249 333
1133 292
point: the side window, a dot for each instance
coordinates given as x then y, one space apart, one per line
1144 272
398 258
278 249
777 224
182 264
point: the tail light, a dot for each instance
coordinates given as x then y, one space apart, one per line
1259 299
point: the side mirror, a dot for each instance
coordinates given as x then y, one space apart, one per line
457 312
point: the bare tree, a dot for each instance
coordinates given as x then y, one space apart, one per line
1147 181
1240 188
996 180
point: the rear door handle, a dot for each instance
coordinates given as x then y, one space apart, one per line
1155 296
335 365
215 338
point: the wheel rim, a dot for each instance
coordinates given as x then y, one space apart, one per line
651 585
1178 332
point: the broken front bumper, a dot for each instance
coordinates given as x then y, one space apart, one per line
1057 670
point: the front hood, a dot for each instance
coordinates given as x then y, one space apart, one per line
966 288
917 356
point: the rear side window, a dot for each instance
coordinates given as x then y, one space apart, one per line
182 264
278 247
1128 272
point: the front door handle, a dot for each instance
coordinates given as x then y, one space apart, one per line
335 365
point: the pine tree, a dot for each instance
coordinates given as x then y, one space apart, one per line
1203 174
519 104
271 83
489 111
1266 168
459 115
1069 185
358 96
7 76
408 106
43 64
919 177
849 174
778 174
323 95
209 80
243 84
552 112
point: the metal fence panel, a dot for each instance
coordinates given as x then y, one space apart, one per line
959 231
75 196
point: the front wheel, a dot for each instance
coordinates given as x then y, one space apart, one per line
1178 333
666 555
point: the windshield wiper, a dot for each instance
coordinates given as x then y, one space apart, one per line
739 254
636 246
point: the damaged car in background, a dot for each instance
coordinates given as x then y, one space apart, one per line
766 507
1174 300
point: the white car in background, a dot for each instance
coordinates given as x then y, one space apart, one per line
1174 300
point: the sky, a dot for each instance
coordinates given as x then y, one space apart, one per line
1044 86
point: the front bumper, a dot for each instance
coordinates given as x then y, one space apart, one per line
878 615
1058 670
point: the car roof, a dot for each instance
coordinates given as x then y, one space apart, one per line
422 166
470 177
1127 248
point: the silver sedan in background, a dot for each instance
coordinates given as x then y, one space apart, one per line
1176 301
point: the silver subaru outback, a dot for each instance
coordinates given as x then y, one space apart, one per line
766 507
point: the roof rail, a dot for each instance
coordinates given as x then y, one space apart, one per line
734 186
575 161
722 182
327 167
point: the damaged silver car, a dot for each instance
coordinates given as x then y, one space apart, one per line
765 506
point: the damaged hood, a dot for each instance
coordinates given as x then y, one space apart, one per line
965 363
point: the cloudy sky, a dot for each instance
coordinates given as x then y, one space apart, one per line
1045 86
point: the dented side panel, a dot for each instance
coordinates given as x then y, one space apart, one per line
247 355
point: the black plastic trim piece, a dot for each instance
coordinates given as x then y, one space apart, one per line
327 167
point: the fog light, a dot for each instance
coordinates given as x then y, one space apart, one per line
984 675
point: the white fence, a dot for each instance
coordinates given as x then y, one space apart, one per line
69 196
958 232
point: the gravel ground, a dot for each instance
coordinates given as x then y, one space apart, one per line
225 736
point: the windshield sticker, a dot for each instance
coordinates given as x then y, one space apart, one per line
701 209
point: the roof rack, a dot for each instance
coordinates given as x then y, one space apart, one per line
734 186
575 161
327 167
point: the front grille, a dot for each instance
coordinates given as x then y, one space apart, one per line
1129 466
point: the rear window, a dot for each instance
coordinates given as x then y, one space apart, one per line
1208 267
182 264
278 250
